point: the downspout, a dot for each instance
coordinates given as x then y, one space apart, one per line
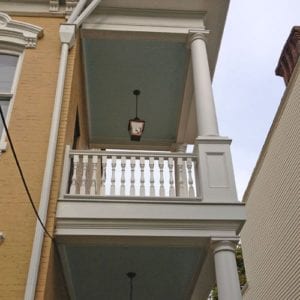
67 37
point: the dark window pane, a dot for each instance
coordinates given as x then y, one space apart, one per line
8 65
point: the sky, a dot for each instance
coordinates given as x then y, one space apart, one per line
247 92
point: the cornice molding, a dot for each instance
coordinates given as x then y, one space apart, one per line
18 33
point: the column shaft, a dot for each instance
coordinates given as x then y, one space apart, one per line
226 271
205 108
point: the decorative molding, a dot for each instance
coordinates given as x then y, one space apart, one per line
197 35
18 33
70 5
53 5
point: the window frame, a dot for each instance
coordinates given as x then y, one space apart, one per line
12 95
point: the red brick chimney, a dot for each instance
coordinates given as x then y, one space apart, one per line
289 55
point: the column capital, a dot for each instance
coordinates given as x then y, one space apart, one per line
224 244
197 35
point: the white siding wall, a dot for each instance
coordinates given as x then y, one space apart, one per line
271 235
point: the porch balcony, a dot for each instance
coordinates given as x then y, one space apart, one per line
163 215
160 176
142 212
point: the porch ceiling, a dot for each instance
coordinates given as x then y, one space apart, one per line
99 272
114 68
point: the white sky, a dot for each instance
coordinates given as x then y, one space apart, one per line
247 91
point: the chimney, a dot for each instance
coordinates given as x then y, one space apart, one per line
289 55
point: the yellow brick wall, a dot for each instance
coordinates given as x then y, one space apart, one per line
29 127
270 237
50 284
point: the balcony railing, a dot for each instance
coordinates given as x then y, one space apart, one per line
130 174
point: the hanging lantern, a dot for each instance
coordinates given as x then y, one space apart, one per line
136 126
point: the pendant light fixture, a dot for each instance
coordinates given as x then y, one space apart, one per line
136 126
131 275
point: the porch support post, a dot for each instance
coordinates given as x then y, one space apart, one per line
226 270
205 107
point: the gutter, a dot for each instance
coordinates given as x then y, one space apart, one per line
67 36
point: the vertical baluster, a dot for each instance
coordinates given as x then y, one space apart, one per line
151 165
191 190
132 177
74 175
142 179
113 175
103 175
171 178
83 178
161 177
94 175
181 183
123 165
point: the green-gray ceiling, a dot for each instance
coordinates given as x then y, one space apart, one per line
163 273
114 68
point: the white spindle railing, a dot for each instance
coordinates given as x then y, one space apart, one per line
132 174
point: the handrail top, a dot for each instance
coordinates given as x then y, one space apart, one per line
120 154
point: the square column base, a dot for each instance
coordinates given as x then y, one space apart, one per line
216 176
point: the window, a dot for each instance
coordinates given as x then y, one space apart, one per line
8 67
15 36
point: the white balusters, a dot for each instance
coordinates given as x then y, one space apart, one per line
181 184
113 175
151 166
83 178
123 165
171 178
142 178
161 177
94 182
189 165
132 177
74 176
139 175
103 175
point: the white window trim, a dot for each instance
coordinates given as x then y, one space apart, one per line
12 94
15 36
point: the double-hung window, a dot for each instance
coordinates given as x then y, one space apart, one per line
15 36
8 68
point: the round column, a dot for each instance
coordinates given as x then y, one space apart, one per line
205 107
226 271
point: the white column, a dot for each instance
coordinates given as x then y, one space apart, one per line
205 107
226 270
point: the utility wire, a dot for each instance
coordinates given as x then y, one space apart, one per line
22 176
56 250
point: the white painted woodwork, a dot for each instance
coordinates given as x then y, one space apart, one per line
205 107
171 177
191 190
142 178
83 178
94 175
161 177
131 174
103 175
226 270
216 178
123 165
74 176
132 177
113 176
151 165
